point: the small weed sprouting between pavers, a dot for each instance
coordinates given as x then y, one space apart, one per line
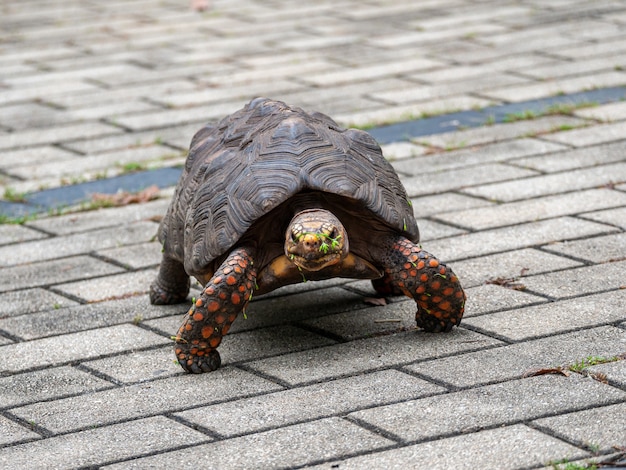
137 319
132 167
578 367
12 195
566 465
581 366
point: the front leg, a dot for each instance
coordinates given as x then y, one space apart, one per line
209 318
434 287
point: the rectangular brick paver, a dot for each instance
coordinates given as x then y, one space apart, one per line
554 318
311 402
54 350
517 447
513 361
367 354
285 447
97 446
491 405
137 401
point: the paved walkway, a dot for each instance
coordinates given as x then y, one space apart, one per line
530 210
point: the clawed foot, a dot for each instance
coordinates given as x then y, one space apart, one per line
161 296
432 324
197 361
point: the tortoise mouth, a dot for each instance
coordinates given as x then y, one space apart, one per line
318 263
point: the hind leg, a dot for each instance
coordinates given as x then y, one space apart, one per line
434 287
385 286
171 285
225 295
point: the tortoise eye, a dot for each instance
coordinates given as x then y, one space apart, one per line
333 234
294 236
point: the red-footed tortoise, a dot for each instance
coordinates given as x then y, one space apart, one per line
272 195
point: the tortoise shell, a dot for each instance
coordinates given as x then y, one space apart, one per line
261 156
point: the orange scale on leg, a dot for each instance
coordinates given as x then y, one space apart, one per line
213 306
198 316
435 285
207 331
424 277
225 329
219 319
235 298
215 341
222 295
231 280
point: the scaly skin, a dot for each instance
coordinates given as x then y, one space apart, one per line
418 274
171 285
225 295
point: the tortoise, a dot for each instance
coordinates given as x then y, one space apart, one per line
273 195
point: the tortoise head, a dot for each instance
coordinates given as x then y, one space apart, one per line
315 239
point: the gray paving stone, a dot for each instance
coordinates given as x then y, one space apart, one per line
457 178
138 366
40 92
115 286
481 154
400 150
21 302
406 112
491 405
544 185
98 446
357 74
55 134
578 281
517 447
13 233
142 255
575 159
431 230
590 136
283 339
597 249
575 427
106 217
510 265
554 318
606 112
490 298
514 361
615 372
11 432
422 92
30 115
440 203
47 384
498 132
59 350
514 237
286 447
32 155
54 321
562 68
367 354
394 317
312 402
142 400
94 166
615 217
50 272
74 244
535 209
555 87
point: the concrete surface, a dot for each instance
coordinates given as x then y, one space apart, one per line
529 209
